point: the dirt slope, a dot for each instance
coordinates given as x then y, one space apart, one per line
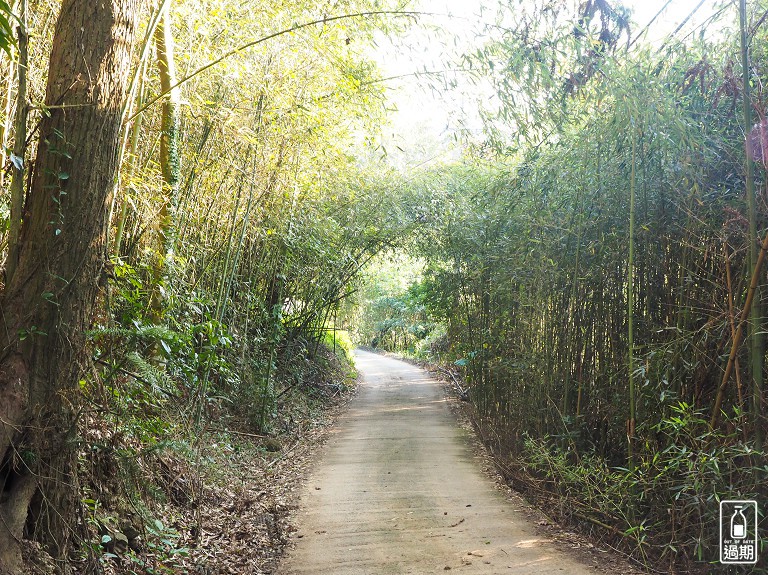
398 490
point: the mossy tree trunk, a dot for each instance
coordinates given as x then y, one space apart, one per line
169 156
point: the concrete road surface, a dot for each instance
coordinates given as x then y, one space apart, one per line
398 490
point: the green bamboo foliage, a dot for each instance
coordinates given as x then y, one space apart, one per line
591 284
251 190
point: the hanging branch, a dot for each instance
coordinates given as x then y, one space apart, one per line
252 43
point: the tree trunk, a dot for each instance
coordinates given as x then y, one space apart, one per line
48 305
169 159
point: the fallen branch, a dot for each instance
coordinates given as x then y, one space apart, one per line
612 528
462 392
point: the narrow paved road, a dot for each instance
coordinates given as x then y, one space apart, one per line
398 490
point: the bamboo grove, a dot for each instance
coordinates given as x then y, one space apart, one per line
590 272
238 218
265 205
593 265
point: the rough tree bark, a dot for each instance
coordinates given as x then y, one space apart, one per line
49 302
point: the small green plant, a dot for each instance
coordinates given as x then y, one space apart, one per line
164 555
339 341
101 545
32 331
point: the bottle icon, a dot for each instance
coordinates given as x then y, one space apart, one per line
738 524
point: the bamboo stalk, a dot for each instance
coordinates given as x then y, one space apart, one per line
227 278
756 347
732 323
8 99
743 319
732 319
630 308
133 168
19 147
135 81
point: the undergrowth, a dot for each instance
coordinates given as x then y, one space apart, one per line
170 418
664 513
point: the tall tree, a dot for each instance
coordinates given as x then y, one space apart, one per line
48 304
